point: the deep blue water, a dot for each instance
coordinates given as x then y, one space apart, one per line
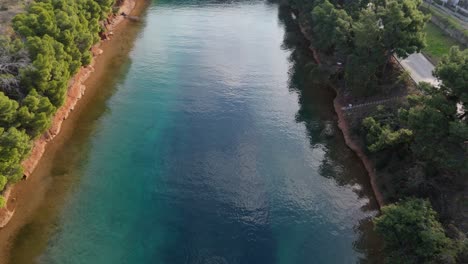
216 147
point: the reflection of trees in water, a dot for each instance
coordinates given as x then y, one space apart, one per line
317 114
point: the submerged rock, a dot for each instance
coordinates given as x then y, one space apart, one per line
328 131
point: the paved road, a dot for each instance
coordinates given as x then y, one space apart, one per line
420 68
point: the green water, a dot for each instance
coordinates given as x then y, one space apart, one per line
213 145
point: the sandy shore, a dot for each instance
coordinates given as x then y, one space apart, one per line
26 196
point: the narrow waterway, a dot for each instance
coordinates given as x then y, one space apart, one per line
214 145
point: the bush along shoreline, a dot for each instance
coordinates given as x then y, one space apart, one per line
414 135
51 43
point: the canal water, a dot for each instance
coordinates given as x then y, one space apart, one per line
215 145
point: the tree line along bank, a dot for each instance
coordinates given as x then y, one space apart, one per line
418 145
52 40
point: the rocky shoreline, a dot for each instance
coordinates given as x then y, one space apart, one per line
75 92
344 127
368 164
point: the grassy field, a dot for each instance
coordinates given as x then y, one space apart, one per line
438 44
446 19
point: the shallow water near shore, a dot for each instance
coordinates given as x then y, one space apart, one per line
210 144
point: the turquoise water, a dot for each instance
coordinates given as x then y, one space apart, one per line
216 147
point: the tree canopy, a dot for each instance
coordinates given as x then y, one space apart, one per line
439 134
412 234
14 147
402 26
53 40
8 110
369 36
452 70
333 25
380 136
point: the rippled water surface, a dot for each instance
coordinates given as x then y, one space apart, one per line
216 147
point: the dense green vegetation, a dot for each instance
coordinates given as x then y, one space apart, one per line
429 138
420 145
368 37
412 234
429 135
438 43
433 126
435 118
52 41
383 136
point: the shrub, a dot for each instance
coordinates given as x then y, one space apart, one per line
3 182
380 137
412 234
404 77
